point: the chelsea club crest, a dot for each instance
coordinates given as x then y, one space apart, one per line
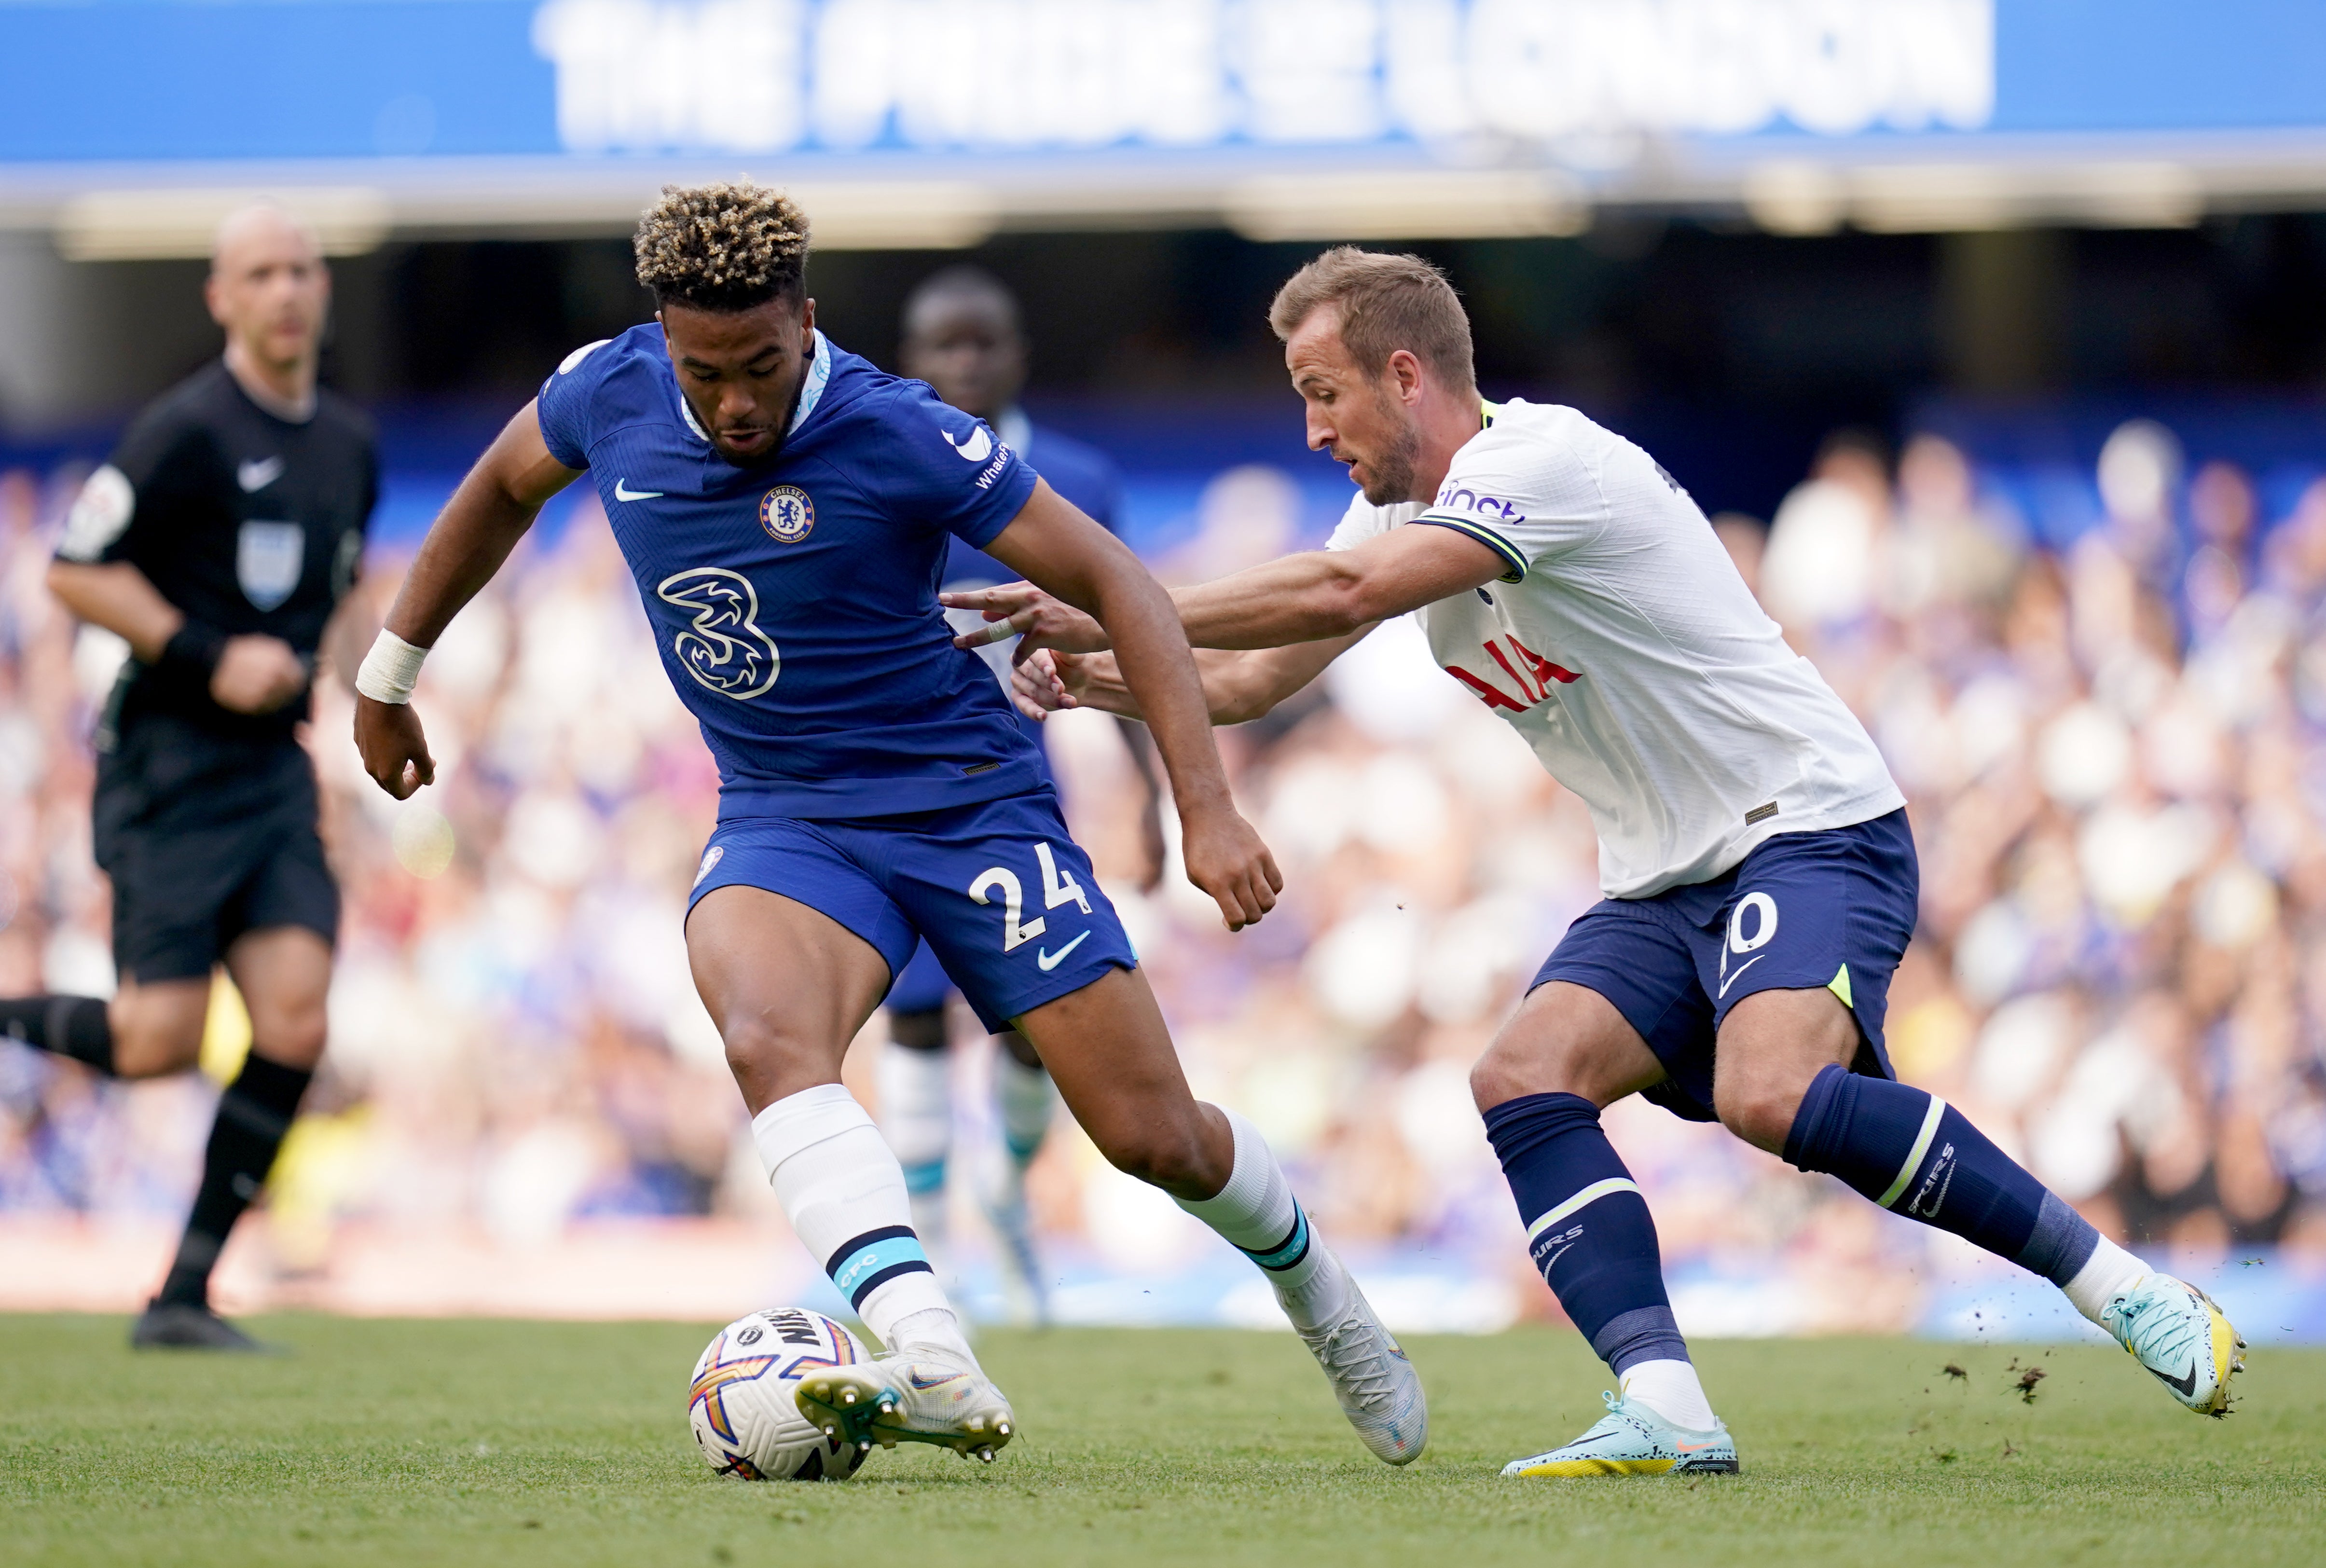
787 514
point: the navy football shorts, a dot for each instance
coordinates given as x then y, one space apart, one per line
1831 910
1006 899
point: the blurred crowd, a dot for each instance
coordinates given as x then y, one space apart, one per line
2116 755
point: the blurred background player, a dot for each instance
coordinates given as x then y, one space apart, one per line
218 543
963 335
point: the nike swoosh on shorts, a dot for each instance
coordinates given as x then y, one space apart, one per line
1050 960
1747 964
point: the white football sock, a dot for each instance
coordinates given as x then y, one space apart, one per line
916 1118
1023 1098
2106 1274
1257 1214
844 1194
1671 1390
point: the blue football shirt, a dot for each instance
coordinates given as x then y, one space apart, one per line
794 603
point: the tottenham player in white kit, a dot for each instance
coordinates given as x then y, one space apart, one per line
1760 878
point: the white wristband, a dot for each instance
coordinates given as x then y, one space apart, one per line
390 670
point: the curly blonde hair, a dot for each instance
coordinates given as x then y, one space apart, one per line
723 247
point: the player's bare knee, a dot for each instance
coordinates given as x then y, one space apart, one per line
1162 1154
157 1029
1759 1105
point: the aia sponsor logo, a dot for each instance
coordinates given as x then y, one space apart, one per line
1525 669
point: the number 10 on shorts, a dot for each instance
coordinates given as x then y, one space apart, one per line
1056 889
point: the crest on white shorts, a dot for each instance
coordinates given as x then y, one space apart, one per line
268 558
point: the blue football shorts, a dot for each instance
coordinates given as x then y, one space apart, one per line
1004 897
1831 910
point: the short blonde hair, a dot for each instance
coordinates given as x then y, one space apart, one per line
723 247
1387 302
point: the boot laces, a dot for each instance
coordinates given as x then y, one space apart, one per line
1355 1353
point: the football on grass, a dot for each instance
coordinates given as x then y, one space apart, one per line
740 1404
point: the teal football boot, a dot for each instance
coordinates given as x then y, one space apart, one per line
1632 1439
2175 1331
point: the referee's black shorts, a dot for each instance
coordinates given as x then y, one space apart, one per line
204 840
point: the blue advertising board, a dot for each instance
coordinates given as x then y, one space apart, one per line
152 81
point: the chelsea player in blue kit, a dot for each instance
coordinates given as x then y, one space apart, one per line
785 508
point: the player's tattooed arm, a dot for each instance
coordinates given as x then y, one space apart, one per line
495 503
1081 564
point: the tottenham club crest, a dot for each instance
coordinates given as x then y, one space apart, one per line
787 514
723 648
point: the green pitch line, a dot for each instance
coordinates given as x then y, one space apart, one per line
566 1444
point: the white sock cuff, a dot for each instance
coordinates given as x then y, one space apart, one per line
798 1122
1246 1192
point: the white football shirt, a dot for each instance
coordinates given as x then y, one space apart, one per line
1623 647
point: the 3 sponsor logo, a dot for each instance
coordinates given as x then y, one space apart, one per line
723 648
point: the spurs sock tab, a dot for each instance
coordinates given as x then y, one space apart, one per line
391 670
1915 1155
1587 1226
916 1118
1672 1390
80 1027
844 1194
1257 1214
254 1113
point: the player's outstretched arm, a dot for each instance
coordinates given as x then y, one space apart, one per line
471 537
1238 685
1316 596
1082 564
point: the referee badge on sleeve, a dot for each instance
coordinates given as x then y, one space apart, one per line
268 558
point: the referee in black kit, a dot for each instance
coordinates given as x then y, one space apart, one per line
219 541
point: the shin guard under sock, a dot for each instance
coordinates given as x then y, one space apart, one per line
1915 1155
80 1027
1257 1214
254 1114
844 1194
1587 1226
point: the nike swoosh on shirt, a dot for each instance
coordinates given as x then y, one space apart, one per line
622 492
1747 964
1050 960
257 473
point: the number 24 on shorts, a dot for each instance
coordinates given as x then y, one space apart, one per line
1056 889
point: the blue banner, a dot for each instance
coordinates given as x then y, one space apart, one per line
159 80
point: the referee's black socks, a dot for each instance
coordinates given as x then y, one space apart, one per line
74 1026
253 1115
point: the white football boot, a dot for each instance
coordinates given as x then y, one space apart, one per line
1632 1439
920 1395
2175 1330
1378 1389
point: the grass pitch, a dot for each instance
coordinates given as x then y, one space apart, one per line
566 1444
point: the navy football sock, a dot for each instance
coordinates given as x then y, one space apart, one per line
1917 1156
1587 1226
